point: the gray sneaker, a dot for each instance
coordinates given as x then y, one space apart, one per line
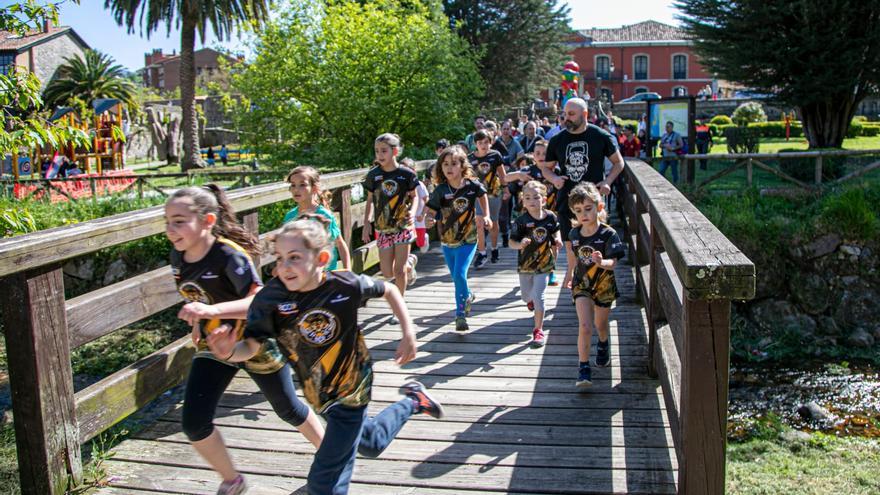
234 487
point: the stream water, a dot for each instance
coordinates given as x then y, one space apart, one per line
846 399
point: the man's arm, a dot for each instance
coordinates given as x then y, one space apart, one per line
616 168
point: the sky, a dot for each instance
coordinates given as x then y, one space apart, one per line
99 30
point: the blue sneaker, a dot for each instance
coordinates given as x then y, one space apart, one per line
552 282
585 378
603 353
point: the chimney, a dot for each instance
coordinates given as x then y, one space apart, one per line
47 25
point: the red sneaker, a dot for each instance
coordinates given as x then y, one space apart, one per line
538 338
530 305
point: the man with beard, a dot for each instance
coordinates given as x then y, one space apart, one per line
580 151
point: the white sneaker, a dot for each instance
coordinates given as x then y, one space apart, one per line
427 246
413 274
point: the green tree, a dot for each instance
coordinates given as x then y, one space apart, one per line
327 79
192 17
521 44
820 56
23 126
95 76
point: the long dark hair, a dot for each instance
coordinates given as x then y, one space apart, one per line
210 198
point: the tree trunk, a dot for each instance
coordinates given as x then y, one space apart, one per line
192 157
826 123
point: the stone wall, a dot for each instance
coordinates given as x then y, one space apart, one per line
48 56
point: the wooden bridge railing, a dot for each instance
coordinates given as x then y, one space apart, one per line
51 421
687 273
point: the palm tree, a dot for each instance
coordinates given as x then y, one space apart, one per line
89 78
190 16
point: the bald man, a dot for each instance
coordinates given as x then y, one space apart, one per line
580 151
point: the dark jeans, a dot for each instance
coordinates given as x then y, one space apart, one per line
703 148
349 432
673 163
209 378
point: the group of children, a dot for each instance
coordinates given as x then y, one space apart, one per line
305 318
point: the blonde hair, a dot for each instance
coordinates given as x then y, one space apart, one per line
311 228
535 186
211 199
458 154
313 177
390 139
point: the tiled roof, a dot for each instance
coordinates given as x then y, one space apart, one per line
13 41
642 31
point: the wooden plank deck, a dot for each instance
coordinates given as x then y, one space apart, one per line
515 422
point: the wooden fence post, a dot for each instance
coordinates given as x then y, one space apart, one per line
41 380
818 176
749 172
690 171
654 308
704 383
342 204
140 188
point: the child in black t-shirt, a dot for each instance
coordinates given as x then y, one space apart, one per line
313 315
489 167
391 190
212 267
536 234
456 196
593 249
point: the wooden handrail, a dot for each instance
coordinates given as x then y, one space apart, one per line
50 420
687 273
777 155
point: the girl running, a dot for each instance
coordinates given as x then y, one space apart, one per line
455 196
313 315
212 266
391 190
423 241
305 187
536 235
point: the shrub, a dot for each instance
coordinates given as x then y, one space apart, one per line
870 130
721 120
776 129
860 118
15 221
804 169
742 139
749 112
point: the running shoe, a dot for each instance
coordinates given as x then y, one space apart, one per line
425 404
495 255
553 282
393 320
480 261
469 304
461 324
412 261
427 245
538 338
603 353
234 487
585 379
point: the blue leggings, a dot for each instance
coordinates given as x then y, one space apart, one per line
458 260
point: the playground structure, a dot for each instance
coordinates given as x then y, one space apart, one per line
106 153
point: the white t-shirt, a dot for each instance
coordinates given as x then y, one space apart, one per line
421 197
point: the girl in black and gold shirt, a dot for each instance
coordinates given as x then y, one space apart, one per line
213 269
313 316
456 195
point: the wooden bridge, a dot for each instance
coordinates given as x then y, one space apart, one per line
653 422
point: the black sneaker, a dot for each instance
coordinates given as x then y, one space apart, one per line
495 255
603 353
425 404
505 241
461 324
585 379
480 261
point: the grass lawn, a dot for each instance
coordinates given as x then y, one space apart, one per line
816 464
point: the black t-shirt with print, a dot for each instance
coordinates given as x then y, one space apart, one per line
392 197
224 274
587 275
457 209
539 256
486 168
581 158
318 331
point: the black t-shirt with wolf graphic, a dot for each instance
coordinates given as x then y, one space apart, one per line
486 168
581 158
539 256
318 331
589 278
457 209
391 197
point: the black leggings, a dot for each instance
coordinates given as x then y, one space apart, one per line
208 380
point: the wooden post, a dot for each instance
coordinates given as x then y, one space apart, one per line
37 345
749 172
653 308
342 203
705 372
690 171
93 186
140 187
818 176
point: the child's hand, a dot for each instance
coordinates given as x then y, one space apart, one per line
430 221
406 350
420 218
597 257
367 233
196 335
525 242
487 223
195 311
566 282
558 243
221 341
